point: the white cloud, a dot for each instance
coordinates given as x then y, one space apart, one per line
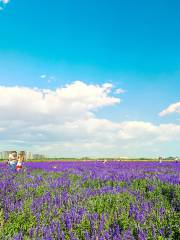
173 108
64 122
47 78
119 91
5 1
94 136
43 76
73 101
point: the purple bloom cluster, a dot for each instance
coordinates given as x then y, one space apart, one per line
92 200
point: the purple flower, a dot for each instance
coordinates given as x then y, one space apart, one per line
141 234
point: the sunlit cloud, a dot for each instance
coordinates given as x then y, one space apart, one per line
173 108
47 78
119 91
43 76
66 121
3 3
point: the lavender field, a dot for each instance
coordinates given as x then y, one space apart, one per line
78 200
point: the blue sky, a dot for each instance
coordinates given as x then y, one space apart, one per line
133 45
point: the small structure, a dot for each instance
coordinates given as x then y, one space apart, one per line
38 156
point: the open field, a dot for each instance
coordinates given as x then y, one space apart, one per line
92 200
99 160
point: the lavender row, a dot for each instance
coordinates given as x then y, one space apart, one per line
77 200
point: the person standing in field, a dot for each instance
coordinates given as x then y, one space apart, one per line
160 159
21 159
12 161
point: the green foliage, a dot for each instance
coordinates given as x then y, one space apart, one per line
107 199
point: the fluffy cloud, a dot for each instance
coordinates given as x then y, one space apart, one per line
74 101
119 91
43 76
173 108
64 122
3 3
